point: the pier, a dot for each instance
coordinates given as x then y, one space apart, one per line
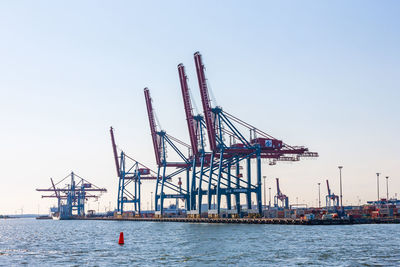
254 220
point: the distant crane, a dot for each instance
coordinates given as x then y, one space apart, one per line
332 200
129 171
284 200
71 198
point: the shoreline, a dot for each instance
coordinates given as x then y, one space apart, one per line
254 220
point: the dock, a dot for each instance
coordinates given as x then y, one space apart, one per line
285 221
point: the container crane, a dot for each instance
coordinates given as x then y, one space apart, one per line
331 199
129 171
199 158
71 198
284 200
222 162
160 141
240 150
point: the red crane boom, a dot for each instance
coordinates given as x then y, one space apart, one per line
55 190
278 190
329 190
114 146
188 109
152 123
205 99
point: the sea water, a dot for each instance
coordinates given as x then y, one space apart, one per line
95 243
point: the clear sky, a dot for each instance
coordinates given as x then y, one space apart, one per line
324 74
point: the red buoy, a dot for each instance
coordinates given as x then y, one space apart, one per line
121 238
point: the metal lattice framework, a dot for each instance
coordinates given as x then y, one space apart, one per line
215 172
331 199
280 197
169 186
71 197
229 152
130 174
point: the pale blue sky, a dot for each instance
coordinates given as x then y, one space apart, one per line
324 74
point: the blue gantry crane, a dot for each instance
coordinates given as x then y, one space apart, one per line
226 169
71 197
230 149
168 187
199 157
332 200
280 199
130 174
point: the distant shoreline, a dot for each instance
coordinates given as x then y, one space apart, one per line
19 216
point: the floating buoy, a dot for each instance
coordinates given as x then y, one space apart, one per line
121 238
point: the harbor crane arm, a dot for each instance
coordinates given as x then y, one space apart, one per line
114 146
329 190
54 187
278 191
188 109
205 99
152 123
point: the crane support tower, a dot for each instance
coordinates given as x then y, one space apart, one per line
72 197
130 175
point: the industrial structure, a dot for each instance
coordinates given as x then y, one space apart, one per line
71 197
217 176
332 200
130 174
215 171
280 199
168 170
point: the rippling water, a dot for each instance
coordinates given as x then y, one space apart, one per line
94 243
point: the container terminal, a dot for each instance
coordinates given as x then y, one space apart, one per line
222 174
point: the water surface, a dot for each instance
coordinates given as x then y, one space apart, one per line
94 243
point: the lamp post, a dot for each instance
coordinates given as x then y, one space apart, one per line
341 194
387 189
151 201
269 205
319 195
265 191
214 186
377 183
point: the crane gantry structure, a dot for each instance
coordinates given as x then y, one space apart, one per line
169 185
331 199
71 197
216 172
280 197
130 174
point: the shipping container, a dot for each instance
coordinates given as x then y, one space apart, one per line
280 214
